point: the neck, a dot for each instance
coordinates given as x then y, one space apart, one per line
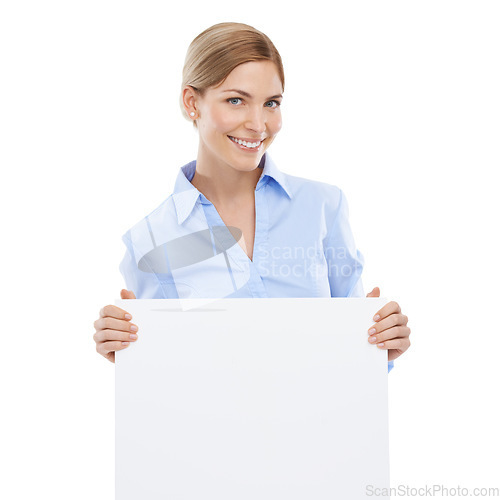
222 184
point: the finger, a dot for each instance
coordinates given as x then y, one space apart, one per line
115 324
114 335
127 294
396 332
106 348
399 344
389 308
392 320
114 312
374 293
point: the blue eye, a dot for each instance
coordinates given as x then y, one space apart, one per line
239 99
277 103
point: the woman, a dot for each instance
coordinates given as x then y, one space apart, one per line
293 234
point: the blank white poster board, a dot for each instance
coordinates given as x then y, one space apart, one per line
251 399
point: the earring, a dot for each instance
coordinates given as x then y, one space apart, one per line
192 113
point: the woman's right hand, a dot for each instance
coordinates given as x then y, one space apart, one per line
113 331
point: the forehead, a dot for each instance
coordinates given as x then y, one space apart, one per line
255 77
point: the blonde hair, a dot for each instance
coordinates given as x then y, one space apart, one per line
215 52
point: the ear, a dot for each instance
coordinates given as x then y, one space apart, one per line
190 99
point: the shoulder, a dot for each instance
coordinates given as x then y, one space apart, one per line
328 196
164 213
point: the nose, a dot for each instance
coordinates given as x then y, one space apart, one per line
256 120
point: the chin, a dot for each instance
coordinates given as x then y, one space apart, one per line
249 163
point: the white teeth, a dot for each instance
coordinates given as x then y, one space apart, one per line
244 143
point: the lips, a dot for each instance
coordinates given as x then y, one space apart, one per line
250 150
245 139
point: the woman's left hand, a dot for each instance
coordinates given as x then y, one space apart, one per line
390 331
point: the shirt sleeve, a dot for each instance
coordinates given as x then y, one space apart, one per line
345 261
144 285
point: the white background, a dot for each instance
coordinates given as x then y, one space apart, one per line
396 102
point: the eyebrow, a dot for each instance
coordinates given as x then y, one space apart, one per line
246 94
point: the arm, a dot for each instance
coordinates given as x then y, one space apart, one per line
145 285
345 261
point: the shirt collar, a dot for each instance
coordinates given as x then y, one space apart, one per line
185 195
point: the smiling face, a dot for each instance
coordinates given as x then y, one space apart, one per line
247 107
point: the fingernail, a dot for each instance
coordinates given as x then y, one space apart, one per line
127 316
376 317
133 336
372 340
372 330
380 345
133 328
125 343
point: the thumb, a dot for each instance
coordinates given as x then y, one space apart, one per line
127 294
374 293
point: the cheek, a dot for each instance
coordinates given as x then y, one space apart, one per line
275 123
222 120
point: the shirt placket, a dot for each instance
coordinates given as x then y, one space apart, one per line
255 284
261 240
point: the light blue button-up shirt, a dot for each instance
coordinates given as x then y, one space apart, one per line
303 244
